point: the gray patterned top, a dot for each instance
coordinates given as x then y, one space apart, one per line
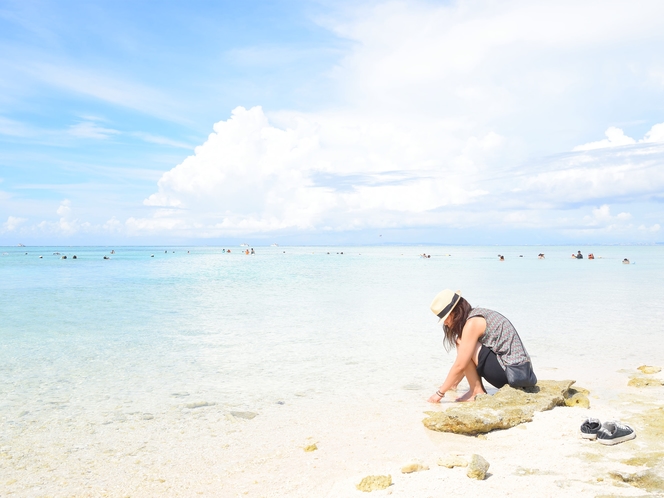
501 337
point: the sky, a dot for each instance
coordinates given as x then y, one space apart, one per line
331 122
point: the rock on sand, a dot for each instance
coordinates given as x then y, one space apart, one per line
413 467
451 461
645 382
477 468
507 408
649 370
374 483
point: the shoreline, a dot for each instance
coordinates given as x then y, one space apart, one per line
205 450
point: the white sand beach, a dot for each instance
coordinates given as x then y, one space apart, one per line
193 450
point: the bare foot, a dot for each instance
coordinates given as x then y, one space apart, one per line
470 395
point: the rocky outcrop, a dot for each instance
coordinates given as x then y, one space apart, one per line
506 408
374 483
646 369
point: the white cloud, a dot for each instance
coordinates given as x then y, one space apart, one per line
156 139
615 137
602 216
656 134
318 172
12 223
90 129
65 208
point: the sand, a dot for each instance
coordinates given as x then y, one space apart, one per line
199 449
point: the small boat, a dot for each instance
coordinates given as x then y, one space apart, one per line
244 245
21 245
275 245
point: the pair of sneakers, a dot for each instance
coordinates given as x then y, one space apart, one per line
608 433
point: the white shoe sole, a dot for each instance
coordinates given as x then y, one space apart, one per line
611 442
588 436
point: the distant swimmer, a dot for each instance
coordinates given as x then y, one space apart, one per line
246 251
579 255
106 257
625 261
252 251
74 257
64 257
228 250
501 258
591 256
165 252
152 255
540 255
40 257
112 251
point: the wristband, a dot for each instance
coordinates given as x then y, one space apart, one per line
440 394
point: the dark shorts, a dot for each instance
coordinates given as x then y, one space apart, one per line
489 369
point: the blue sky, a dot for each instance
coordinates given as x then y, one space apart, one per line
331 122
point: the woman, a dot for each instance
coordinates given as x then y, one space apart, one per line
487 344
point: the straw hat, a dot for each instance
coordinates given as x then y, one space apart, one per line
444 303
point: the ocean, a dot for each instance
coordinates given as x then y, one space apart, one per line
156 333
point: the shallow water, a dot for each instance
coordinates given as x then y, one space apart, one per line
93 341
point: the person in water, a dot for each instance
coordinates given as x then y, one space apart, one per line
487 345
579 255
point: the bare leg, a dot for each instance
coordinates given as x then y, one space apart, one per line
474 380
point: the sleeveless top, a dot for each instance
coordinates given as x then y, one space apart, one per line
501 337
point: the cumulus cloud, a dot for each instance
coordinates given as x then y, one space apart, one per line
313 172
615 137
12 223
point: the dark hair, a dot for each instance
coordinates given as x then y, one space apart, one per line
459 317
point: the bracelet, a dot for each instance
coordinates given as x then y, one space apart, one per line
440 394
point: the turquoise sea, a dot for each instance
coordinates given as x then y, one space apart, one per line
89 342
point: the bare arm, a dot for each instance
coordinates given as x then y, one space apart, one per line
472 331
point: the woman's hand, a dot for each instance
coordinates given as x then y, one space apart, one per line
435 398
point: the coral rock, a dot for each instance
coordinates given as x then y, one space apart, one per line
649 370
311 447
477 468
374 483
506 408
413 467
451 461
645 382
578 399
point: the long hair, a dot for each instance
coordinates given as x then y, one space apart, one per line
459 317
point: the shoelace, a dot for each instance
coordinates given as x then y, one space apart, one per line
622 427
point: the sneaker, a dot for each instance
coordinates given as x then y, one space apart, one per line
614 432
590 428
